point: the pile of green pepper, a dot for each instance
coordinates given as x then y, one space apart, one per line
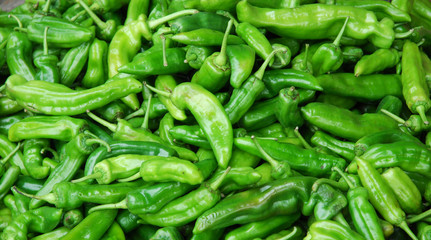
221 119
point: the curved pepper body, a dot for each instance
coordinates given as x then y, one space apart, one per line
97 67
18 52
211 117
331 230
241 58
319 21
56 99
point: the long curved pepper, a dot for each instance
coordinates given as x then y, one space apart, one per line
215 71
329 57
280 169
107 29
210 115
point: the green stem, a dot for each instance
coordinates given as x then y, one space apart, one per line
50 197
393 116
165 60
404 34
73 19
216 184
259 73
131 178
103 122
221 59
290 235
274 163
406 229
301 138
20 27
421 111
156 22
340 34
343 175
419 217
121 205
147 113
98 141
45 41
52 151
304 61
330 182
85 178
228 15
160 92
136 113
10 155
46 6
101 24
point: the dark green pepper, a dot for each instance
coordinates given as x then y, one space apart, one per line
47 64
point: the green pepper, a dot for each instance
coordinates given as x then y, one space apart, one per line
33 157
185 95
73 155
167 233
262 228
288 113
72 218
62 128
376 62
56 99
328 57
106 30
113 111
328 229
191 135
55 234
8 179
241 58
93 226
135 8
344 149
381 9
18 52
205 37
42 220
382 197
215 71
7 122
114 232
29 184
8 148
196 55
168 83
424 231
325 23
47 64
127 221
351 54
199 20
391 104
344 123
97 70
415 89
302 61
206 6
187 208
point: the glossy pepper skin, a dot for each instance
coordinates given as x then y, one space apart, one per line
241 58
377 61
328 229
362 88
86 228
391 104
203 5
196 55
62 128
344 149
97 67
288 113
262 228
135 8
8 179
33 157
168 83
8 147
47 64
199 20
191 135
18 52
56 99
362 23
205 37
415 89
381 9
381 196
306 161
345 123
210 116
42 220
405 190
74 154
329 57
407 155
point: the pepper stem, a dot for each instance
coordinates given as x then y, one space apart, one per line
228 15
136 113
158 91
50 197
2 45
98 141
301 138
10 155
405 34
52 151
131 178
73 19
45 41
156 22
46 7
221 59
403 225
101 24
85 178
421 111
343 175
259 73
291 234
20 27
340 34
274 163
165 60
103 122
147 113
393 116
333 183
304 61
121 205
419 217
216 184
